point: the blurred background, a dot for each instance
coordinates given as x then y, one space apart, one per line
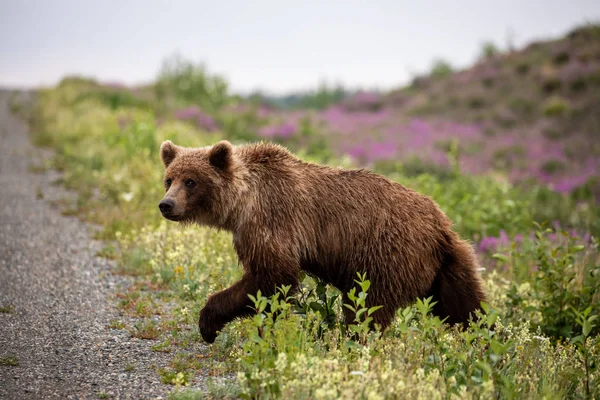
506 90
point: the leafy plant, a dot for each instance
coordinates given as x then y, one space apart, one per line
182 82
564 283
440 69
358 306
489 50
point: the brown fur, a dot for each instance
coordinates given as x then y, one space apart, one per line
287 215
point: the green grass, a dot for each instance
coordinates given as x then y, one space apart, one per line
116 324
8 309
543 291
145 329
9 361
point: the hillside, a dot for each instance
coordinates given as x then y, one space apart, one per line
530 115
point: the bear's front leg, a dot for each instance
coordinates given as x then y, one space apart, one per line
224 306
234 302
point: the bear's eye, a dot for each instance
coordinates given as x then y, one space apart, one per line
190 183
168 182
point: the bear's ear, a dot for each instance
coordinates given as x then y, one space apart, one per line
220 155
168 152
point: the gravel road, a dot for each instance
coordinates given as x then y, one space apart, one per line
56 296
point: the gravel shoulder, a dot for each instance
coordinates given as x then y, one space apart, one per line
56 296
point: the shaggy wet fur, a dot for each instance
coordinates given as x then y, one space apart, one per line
287 215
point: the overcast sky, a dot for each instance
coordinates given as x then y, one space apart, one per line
275 45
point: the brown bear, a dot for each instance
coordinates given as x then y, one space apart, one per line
288 216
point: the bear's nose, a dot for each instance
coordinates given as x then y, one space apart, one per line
166 206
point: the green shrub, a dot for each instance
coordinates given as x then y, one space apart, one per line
182 82
522 106
476 102
441 69
562 278
522 68
553 133
561 57
489 50
551 85
555 107
553 166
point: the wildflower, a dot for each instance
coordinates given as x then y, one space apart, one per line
374 396
241 378
178 270
281 362
197 116
128 196
279 131
180 379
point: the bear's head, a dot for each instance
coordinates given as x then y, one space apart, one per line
199 183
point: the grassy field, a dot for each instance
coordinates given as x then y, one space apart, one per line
538 246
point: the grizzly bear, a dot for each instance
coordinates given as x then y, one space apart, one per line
288 216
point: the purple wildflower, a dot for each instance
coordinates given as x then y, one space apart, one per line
197 116
283 131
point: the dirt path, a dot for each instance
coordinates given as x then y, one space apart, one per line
56 295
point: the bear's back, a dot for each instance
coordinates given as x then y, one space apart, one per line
342 215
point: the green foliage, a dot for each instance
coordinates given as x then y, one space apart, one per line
319 99
478 206
182 82
522 107
310 142
555 107
145 329
489 50
440 69
9 361
551 84
561 57
562 281
173 378
476 102
8 309
522 68
15 103
114 98
241 126
362 323
553 166
323 303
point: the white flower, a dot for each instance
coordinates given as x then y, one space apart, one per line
281 362
127 196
